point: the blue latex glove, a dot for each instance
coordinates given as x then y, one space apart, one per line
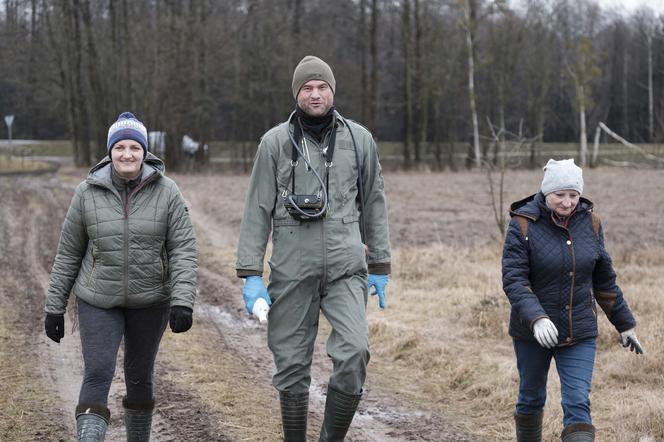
254 289
378 282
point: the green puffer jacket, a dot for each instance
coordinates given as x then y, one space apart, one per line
134 255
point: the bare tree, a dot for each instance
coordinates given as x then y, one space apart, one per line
580 60
217 70
469 24
418 90
100 114
408 82
647 23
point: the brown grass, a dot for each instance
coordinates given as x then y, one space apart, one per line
15 164
445 332
442 343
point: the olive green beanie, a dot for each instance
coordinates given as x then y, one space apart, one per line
312 68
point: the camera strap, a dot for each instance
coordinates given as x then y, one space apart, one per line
296 138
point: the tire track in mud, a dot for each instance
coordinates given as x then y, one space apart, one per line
34 209
380 417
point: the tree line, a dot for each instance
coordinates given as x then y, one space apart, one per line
425 73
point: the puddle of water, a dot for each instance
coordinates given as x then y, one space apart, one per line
224 318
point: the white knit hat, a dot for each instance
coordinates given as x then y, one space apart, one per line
561 175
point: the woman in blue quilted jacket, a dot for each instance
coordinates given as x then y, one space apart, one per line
556 271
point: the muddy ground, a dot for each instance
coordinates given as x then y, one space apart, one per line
213 383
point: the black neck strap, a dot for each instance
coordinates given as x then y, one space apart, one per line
298 135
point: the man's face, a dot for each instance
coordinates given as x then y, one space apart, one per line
315 98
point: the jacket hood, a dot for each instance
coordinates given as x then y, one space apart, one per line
101 172
535 206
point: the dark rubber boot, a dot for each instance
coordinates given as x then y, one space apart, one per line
339 411
294 408
138 419
528 427
578 433
91 422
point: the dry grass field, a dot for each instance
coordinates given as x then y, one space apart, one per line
444 337
442 343
442 364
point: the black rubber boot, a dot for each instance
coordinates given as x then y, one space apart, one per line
294 408
339 411
528 427
578 433
91 422
138 419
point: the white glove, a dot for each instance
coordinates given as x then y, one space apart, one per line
628 339
546 333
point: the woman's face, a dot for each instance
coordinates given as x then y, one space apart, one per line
563 202
127 157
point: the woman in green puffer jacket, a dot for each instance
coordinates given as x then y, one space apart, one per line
127 251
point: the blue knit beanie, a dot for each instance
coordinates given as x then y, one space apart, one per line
127 127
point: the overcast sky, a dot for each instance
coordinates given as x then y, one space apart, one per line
625 6
632 5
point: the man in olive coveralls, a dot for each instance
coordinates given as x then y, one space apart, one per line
322 263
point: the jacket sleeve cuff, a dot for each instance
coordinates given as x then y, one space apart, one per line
381 268
243 273
535 319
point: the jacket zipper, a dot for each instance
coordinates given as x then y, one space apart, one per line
126 234
571 289
323 157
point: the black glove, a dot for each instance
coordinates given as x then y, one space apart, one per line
55 327
180 319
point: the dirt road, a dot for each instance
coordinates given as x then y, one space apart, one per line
213 383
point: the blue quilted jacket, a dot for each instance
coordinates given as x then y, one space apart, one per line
560 273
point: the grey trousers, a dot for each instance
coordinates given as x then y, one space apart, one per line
102 331
293 325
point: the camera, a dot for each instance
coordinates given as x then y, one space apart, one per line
311 205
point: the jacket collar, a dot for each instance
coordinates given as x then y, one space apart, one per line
534 206
100 174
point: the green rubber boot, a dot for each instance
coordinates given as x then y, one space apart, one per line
578 433
339 411
138 419
91 422
528 427
294 408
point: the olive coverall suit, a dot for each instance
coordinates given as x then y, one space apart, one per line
317 265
